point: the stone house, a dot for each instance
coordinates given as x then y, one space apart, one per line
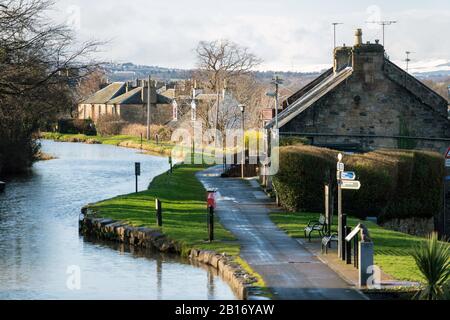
365 102
129 101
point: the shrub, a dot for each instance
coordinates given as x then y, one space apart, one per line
164 133
301 177
395 183
290 141
77 126
433 260
110 125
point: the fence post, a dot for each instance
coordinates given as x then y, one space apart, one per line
348 249
158 206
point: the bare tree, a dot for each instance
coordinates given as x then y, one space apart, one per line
222 61
39 68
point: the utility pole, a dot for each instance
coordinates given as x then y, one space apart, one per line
408 60
148 106
383 23
334 30
276 81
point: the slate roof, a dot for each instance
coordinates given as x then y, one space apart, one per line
134 96
308 95
131 97
102 96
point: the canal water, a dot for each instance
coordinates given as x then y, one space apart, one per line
42 254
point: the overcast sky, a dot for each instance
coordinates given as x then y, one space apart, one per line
286 34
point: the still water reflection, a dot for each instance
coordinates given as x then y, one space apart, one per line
39 237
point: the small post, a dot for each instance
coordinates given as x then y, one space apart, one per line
355 251
158 206
365 262
170 163
141 140
348 249
211 224
137 173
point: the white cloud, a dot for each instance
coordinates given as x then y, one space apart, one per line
286 35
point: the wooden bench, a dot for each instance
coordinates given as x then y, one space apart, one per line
315 226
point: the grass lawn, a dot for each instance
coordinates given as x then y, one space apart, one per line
120 140
184 214
392 249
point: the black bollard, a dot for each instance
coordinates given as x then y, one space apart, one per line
211 224
348 248
170 162
158 205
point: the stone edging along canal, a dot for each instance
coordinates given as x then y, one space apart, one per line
239 280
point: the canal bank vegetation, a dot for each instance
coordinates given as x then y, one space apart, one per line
397 184
40 63
394 251
128 141
183 213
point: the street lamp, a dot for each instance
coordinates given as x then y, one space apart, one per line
194 119
242 107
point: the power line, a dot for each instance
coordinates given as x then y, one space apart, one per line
383 23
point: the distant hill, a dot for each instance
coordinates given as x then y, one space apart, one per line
130 71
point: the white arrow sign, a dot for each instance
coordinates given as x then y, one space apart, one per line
348 175
350 185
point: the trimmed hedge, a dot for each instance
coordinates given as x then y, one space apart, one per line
395 183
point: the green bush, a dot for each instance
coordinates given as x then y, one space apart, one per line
395 183
77 126
290 141
110 125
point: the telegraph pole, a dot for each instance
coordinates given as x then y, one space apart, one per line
276 81
383 23
334 30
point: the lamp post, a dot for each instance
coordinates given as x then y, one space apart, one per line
242 107
194 119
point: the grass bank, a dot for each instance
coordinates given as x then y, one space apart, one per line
392 249
163 148
184 213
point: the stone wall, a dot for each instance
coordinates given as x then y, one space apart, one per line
107 229
412 226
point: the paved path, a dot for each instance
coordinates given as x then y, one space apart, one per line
288 268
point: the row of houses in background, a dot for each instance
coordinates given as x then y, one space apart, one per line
129 101
363 102
174 104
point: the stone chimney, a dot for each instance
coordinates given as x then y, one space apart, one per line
367 59
358 37
342 58
144 86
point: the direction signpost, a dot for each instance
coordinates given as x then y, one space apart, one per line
346 181
350 185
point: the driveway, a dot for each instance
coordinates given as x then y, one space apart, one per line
291 271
